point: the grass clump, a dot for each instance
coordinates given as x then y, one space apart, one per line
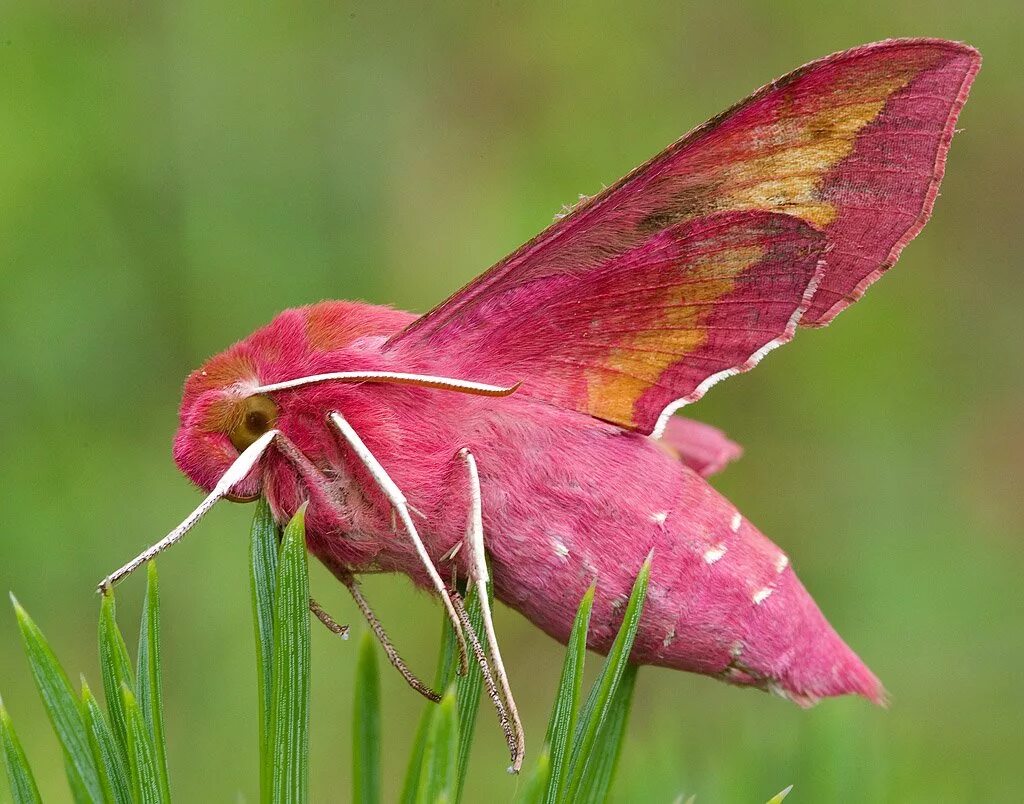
116 754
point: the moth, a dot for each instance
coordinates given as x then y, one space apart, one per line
521 434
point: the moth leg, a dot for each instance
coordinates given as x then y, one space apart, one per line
319 487
329 622
479 577
385 642
401 507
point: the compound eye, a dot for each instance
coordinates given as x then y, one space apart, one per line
259 416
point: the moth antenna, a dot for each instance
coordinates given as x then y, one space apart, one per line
398 502
385 642
393 377
480 578
328 620
235 473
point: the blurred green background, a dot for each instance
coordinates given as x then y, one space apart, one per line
175 173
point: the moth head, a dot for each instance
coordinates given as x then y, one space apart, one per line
223 409
220 418
290 375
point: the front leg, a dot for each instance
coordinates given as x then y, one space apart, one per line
320 491
400 506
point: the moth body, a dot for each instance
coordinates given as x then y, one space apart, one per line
567 501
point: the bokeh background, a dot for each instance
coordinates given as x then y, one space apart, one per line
173 173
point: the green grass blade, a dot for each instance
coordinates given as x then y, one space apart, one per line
446 658
116 669
114 777
19 773
608 746
534 787
62 707
141 752
366 726
595 712
263 547
468 689
289 711
79 794
779 797
440 756
566 706
467 696
148 674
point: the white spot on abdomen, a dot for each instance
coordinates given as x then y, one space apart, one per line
761 595
781 562
715 553
737 520
659 517
560 549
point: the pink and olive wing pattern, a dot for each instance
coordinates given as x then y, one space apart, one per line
852 145
623 340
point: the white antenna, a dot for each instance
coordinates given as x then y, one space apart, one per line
398 378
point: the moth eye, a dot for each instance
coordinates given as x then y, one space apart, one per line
259 416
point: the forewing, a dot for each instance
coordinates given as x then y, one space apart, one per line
657 324
854 145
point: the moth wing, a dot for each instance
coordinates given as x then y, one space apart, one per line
853 145
628 338
702 447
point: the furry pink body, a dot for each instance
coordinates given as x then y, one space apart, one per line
776 214
567 501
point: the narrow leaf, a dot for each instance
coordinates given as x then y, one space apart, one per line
19 774
141 752
115 668
62 707
468 688
440 756
79 794
366 726
289 710
114 777
446 659
779 797
599 702
608 746
148 674
566 707
534 788
263 546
